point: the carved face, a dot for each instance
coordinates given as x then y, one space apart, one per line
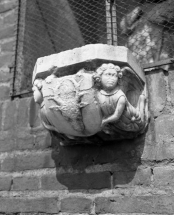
109 79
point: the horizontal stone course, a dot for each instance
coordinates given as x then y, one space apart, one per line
27 161
27 205
156 204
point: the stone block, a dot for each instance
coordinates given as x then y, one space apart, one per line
42 140
10 18
7 46
164 151
76 205
164 128
25 183
157 92
50 182
164 176
4 92
141 177
89 54
7 142
23 112
28 205
155 204
1 109
5 183
9 119
5 76
7 32
24 140
27 161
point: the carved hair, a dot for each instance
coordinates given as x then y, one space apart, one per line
104 67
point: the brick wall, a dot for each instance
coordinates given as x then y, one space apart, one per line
39 176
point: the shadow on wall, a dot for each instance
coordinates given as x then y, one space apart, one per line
93 167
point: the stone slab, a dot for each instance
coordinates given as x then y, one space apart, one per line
69 62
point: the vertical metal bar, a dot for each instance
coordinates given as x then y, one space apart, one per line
108 23
111 24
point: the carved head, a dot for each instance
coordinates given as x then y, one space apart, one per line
107 76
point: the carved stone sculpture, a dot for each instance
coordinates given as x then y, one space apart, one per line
94 98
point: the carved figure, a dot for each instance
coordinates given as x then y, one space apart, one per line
103 102
116 109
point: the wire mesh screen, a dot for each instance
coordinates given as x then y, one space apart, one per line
46 27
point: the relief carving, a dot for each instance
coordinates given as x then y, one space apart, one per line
100 103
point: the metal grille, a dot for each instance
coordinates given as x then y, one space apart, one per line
46 27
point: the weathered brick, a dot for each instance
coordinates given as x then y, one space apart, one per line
164 176
16 205
7 46
100 180
157 92
7 5
139 177
76 205
50 182
27 161
156 204
10 115
5 183
25 183
4 92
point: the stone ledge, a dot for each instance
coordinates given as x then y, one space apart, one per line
90 55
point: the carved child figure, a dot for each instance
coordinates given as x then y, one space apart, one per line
117 111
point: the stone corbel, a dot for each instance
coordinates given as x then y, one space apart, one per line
92 94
